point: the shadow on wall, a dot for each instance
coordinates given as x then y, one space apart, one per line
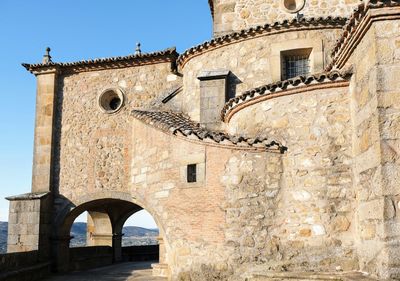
233 81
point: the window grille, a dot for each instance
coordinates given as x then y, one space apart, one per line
295 65
191 173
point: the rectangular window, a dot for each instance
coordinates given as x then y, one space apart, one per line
191 173
295 63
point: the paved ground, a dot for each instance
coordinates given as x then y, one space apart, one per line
130 271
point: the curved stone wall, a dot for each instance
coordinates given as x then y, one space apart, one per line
230 15
253 62
313 219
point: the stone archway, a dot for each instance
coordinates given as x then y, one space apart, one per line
106 220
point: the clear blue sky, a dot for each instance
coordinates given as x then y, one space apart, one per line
76 30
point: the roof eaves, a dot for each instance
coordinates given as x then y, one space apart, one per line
261 30
179 125
281 86
352 24
100 63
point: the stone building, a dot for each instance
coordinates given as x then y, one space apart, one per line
269 152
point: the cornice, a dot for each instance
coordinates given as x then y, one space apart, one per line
28 196
357 26
168 55
259 31
296 85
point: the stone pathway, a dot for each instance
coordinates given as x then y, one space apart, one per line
129 271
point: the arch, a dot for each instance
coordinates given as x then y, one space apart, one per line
71 210
115 209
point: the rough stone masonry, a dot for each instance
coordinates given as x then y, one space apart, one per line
269 152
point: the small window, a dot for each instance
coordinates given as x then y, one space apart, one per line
295 63
191 173
293 6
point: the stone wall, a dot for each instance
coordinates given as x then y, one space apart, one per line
93 147
375 111
388 86
189 215
24 266
252 66
141 253
235 15
308 220
330 203
29 224
83 258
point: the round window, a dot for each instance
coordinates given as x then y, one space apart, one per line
293 6
111 100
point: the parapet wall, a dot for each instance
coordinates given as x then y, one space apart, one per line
23 266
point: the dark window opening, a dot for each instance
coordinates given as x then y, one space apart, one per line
191 173
115 103
295 63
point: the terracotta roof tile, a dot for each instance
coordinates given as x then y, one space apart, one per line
179 125
272 88
353 22
259 30
112 62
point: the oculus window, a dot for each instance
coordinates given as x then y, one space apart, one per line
111 100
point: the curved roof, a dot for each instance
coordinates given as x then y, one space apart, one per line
279 88
261 30
179 125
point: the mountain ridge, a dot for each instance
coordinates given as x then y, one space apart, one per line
133 236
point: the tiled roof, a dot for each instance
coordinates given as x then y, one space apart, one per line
274 88
354 21
306 23
179 125
168 55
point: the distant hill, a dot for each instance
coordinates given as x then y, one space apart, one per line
133 235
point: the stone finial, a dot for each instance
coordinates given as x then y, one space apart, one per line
47 57
138 51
